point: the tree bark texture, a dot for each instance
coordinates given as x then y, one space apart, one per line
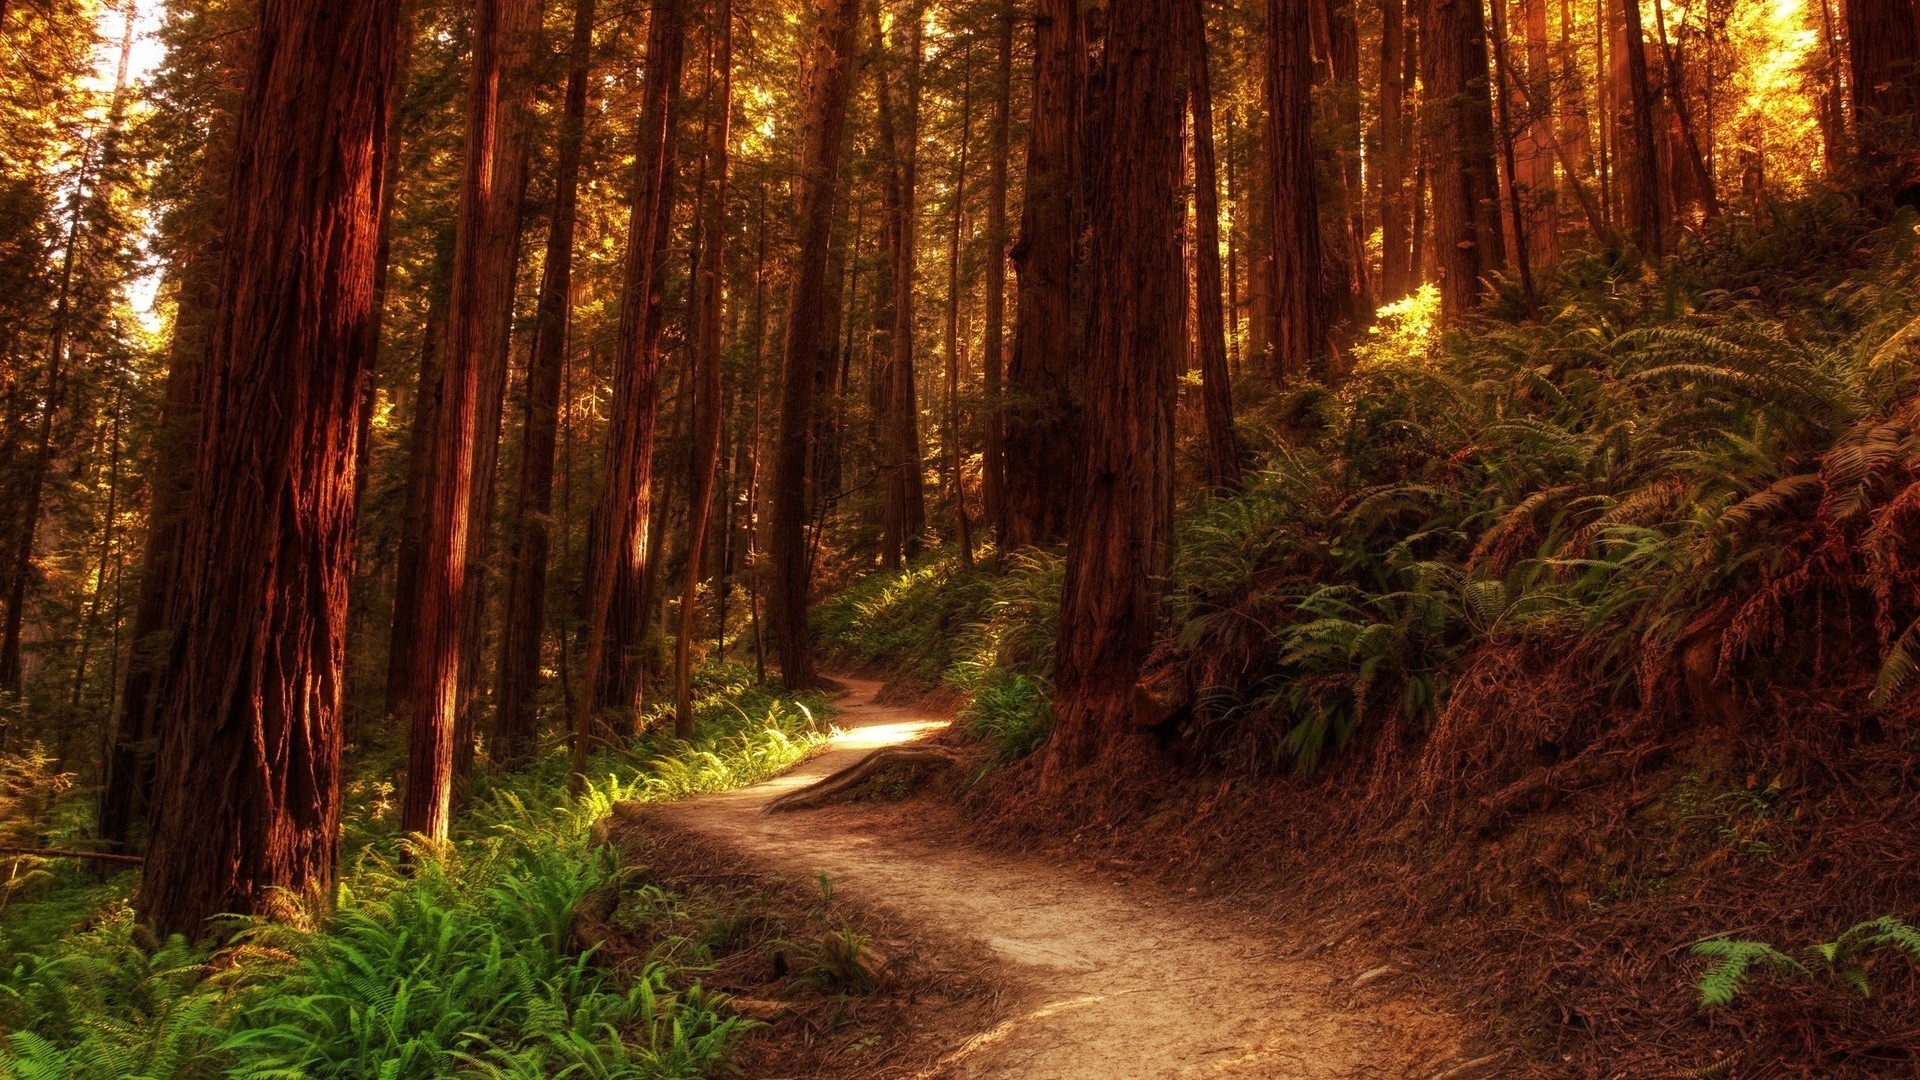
618 559
1297 330
993 471
1040 398
1467 238
479 316
246 809
829 79
1122 514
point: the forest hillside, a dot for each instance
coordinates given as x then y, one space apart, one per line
1441 475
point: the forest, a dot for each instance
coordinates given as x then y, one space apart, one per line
1422 492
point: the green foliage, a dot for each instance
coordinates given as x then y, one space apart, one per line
1843 959
467 962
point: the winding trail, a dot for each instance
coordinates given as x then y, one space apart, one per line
1103 980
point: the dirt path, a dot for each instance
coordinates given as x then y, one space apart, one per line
1105 980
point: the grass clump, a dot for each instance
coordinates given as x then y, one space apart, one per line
469 963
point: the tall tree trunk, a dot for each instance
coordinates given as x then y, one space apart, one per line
1467 239
1644 202
955 456
1351 294
246 808
1122 515
480 311
1297 331
1883 48
1040 403
1216 386
705 372
829 79
619 556
1536 146
404 637
1683 114
906 501
1517 200
993 454
1396 209
523 631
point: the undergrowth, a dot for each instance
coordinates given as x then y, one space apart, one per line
469 963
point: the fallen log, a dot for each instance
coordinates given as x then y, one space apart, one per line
839 783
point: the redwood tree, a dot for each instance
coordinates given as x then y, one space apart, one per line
1468 240
1216 388
1883 49
808 344
525 615
1041 414
993 467
246 808
1122 513
705 371
618 558
480 308
905 509
1297 320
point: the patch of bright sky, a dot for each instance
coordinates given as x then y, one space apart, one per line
146 55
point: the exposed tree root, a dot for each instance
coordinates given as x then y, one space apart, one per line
839 783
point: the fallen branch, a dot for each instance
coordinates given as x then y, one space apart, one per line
839 783
67 853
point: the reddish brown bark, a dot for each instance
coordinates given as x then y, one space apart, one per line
708 308
1122 515
480 311
1042 417
523 629
1222 455
1644 202
829 78
1883 49
905 509
404 636
618 561
1297 331
1468 242
1534 181
1349 289
957 489
1394 137
993 471
246 808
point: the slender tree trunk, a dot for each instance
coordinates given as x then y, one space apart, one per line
1677 92
906 502
404 637
1223 462
480 311
1518 201
1040 404
619 556
1644 201
246 810
1122 515
1353 297
1297 331
523 632
958 492
829 79
993 471
705 373
1467 239
1396 211
1537 148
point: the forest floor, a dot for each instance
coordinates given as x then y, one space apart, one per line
1040 968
